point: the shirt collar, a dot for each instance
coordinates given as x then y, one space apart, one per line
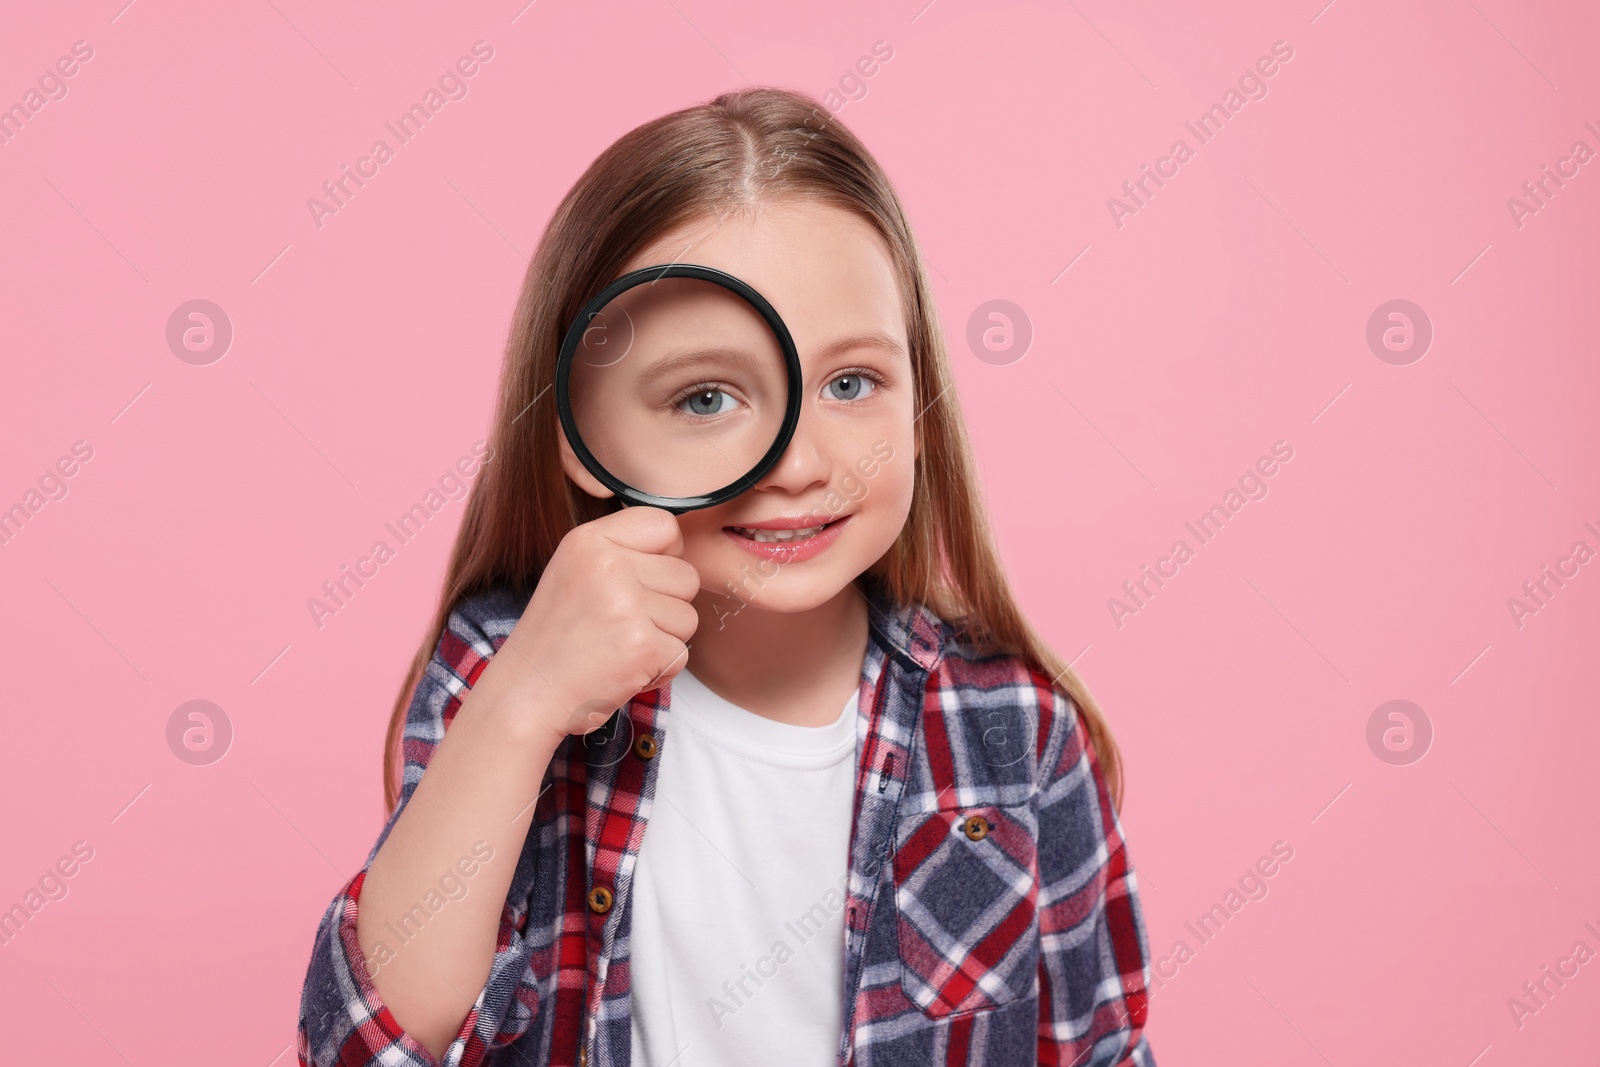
912 631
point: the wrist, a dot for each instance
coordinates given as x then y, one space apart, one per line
515 719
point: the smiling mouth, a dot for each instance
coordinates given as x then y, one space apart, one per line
803 533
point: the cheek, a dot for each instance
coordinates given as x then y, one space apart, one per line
896 475
880 490
708 549
702 530
893 487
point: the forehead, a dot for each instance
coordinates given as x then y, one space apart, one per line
825 270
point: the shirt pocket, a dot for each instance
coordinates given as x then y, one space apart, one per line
966 894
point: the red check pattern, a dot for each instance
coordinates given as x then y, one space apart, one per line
992 917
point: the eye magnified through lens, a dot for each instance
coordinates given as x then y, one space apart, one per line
678 387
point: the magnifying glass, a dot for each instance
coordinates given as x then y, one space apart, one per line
678 387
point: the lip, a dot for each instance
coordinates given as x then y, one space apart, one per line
790 551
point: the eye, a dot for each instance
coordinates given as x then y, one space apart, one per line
705 401
852 385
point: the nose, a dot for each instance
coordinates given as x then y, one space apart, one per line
805 464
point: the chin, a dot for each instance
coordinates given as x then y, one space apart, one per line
784 592
745 584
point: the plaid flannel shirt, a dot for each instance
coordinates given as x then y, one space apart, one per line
992 916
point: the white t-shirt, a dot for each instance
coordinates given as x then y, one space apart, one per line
737 936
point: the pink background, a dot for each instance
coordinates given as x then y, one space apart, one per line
1227 314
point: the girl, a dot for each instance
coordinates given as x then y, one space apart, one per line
787 780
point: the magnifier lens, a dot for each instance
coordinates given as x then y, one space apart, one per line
678 387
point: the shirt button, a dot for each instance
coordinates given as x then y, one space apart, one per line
644 746
975 827
600 900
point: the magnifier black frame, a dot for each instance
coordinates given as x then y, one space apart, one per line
569 347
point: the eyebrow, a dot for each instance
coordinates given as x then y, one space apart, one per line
668 365
871 339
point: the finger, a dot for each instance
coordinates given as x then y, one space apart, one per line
667 575
674 658
674 617
644 530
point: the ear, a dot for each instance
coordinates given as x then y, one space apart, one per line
578 473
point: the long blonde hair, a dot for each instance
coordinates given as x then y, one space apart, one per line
744 147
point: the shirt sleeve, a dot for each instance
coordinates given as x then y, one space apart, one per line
343 1019
1094 959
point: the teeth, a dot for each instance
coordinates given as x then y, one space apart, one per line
779 535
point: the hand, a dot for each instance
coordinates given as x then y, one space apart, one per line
610 618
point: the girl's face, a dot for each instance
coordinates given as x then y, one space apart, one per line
840 493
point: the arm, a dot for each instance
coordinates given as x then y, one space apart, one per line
610 617
1094 958
432 922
